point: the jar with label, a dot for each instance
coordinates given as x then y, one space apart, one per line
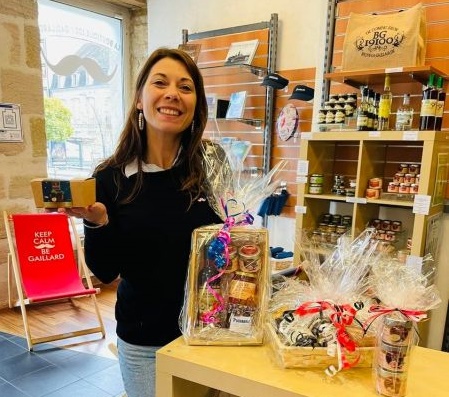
250 258
390 383
242 302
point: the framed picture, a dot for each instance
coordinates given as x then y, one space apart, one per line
192 49
236 105
241 52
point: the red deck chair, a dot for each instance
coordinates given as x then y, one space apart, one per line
47 259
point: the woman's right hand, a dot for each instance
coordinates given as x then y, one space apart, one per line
95 213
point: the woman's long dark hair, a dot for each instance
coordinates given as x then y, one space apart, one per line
133 143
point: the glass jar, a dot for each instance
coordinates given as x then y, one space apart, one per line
249 258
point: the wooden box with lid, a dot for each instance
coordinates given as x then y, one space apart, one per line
228 286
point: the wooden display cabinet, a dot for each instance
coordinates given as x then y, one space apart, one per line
364 155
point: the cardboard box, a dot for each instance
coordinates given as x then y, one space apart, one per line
236 321
54 193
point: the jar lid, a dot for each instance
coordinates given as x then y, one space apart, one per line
249 251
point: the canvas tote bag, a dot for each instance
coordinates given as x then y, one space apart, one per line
375 41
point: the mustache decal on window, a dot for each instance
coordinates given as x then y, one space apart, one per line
69 64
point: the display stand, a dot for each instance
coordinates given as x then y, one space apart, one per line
247 371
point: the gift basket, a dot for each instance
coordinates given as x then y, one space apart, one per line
318 322
405 294
229 278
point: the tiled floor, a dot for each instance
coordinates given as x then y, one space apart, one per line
50 371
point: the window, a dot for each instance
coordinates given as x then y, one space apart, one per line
83 72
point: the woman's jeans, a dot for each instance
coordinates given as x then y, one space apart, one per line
138 368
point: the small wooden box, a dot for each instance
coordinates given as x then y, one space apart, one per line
311 357
195 331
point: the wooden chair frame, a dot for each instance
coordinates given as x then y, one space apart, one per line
84 283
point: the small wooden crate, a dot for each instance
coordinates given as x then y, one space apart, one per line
310 357
196 334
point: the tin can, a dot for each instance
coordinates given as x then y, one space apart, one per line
414 188
249 258
396 331
393 358
404 188
391 384
372 193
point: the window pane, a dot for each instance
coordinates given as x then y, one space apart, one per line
82 63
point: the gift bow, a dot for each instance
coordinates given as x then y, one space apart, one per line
379 310
218 251
341 316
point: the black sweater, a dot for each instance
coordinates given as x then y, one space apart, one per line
147 243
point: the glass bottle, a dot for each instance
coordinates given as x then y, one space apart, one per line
208 292
441 99
404 115
363 110
371 110
386 99
428 105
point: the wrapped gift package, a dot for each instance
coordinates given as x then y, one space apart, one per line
226 302
287 356
54 193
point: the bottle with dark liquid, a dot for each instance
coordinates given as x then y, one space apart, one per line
441 99
363 110
428 105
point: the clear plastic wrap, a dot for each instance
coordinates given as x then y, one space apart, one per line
326 312
405 294
229 281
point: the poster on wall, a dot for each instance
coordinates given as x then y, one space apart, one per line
10 123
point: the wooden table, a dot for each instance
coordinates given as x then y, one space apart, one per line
248 371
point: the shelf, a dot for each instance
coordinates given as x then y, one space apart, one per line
358 78
220 70
257 123
346 135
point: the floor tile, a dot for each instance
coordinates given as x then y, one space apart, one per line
20 365
44 381
7 390
77 389
109 380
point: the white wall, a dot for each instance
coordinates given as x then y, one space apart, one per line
301 24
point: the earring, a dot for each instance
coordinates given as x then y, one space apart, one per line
140 120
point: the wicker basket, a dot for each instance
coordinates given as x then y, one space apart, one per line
310 357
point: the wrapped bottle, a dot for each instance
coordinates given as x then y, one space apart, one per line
208 293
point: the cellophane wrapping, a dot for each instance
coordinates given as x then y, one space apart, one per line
405 294
229 278
317 322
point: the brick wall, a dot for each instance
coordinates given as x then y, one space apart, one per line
21 83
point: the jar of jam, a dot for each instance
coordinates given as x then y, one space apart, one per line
233 263
242 305
250 258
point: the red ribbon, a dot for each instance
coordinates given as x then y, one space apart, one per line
341 316
379 310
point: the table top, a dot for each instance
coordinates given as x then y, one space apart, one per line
251 371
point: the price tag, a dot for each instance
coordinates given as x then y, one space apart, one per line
302 167
300 209
421 204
